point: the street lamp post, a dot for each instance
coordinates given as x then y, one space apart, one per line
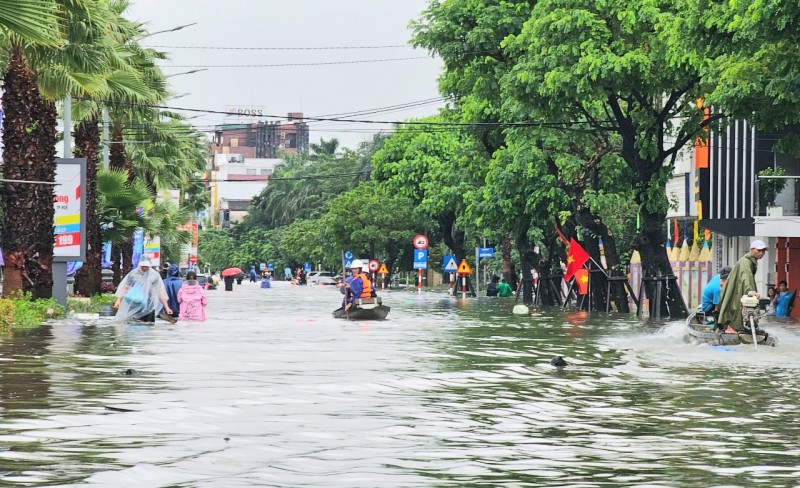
169 30
187 72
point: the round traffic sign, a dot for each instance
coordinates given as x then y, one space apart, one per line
374 265
421 242
192 259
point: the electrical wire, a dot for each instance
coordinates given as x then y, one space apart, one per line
282 65
276 48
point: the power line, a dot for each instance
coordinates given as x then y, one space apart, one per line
276 48
282 65
368 111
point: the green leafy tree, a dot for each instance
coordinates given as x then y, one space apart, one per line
371 220
435 169
611 68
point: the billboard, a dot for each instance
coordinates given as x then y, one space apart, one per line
69 219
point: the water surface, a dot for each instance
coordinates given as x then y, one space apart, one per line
272 391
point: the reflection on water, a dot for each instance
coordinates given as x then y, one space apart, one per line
272 391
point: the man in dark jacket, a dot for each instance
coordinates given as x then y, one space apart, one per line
173 284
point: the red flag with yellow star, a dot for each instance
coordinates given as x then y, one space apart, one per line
582 279
576 258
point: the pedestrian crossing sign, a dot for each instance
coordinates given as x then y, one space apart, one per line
383 269
450 265
463 268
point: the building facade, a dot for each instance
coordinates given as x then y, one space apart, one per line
262 140
235 180
729 202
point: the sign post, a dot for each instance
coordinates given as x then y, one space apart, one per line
420 263
464 270
420 258
383 271
481 252
449 265
69 221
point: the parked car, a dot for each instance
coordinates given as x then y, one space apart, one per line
314 277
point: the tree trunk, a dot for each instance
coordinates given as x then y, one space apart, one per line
528 259
43 212
116 264
453 238
22 116
508 265
116 153
656 266
127 257
87 145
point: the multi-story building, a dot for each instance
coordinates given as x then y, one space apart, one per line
264 140
731 205
235 180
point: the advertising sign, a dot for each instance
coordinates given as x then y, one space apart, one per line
152 249
69 220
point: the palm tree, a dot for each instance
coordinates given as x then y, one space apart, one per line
118 209
30 20
122 83
36 76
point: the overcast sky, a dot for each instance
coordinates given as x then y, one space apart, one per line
314 90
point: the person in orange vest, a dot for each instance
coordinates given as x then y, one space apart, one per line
361 286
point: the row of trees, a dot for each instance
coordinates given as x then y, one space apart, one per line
565 115
316 205
88 51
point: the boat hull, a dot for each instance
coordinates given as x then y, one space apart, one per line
705 334
357 313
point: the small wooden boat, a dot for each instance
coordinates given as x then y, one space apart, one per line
702 328
364 309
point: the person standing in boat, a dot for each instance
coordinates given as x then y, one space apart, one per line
713 290
741 281
360 286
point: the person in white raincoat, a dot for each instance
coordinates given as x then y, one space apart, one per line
141 294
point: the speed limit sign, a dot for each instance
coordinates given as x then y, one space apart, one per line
421 242
374 265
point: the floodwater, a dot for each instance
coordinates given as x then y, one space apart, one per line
272 391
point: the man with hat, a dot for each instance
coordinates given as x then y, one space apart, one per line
741 281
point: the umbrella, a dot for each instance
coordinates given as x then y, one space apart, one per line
231 272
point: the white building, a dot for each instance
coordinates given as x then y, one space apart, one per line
234 182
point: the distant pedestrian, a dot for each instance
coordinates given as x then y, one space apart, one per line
504 289
253 275
192 299
491 288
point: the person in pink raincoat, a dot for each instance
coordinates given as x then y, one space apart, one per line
192 299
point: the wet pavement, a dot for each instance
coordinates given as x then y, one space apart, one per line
272 391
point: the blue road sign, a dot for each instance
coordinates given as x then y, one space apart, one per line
270 266
421 259
262 266
307 266
485 252
348 255
449 263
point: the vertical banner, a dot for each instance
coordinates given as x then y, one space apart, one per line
69 220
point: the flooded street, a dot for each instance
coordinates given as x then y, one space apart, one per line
272 391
